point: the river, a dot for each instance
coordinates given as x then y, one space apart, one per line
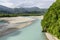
32 32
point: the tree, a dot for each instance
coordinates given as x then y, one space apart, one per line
51 20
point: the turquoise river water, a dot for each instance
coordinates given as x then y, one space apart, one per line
32 32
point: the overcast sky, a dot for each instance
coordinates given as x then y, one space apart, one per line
27 3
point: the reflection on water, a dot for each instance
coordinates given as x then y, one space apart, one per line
33 32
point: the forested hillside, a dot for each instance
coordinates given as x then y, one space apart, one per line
10 12
51 20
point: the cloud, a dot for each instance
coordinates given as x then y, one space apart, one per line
6 3
27 3
4 0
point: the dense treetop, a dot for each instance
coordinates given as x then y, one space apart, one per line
51 20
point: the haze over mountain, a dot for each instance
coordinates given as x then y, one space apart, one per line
5 9
27 3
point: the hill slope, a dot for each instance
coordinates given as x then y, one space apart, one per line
5 11
51 21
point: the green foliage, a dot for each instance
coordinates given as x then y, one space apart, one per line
51 21
21 14
26 13
15 15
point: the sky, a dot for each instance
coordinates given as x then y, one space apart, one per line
27 3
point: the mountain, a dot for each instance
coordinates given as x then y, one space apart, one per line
51 20
30 10
27 9
4 9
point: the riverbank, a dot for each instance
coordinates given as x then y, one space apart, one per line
37 17
48 35
14 24
21 23
51 37
30 32
14 28
17 19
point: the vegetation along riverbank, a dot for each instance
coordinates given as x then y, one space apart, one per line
51 20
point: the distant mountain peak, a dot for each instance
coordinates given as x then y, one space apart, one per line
18 10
